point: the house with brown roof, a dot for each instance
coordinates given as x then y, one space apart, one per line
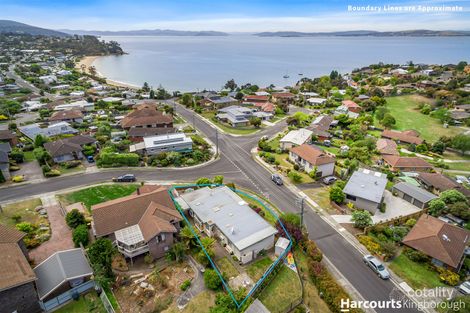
351 106
8 136
255 99
283 99
443 242
17 290
437 183
405 137
267 107
69 116
407 164
386 146
320 127
146 221
311 158
146 116
68 149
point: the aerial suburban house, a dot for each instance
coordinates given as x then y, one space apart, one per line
32 130
62 275
81 105
365 189
17 290
69 116
407 164
218 102
295 138
146 116
8 136
409 136
267 107
137 134
311 158
255 99
234 115
220 213
320 127
387 147
68 149
144 222
5 150
177 142
283 99
351 106
443 242
415 195
437 183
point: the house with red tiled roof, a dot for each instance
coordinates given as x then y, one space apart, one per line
407 164
283 99
408 136
443 242
311 158
146 116
386 146
145 221
255 99
351 106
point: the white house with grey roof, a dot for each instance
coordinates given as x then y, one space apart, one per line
151 145
295 138
365 189
221 213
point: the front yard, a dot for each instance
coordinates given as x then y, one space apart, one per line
21 212
417 275
256 269
245 130
98 194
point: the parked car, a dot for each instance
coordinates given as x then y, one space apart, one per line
125 178
376 266
90 159
277 179
464 287
329 180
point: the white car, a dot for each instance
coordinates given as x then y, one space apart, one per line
464 287
376 266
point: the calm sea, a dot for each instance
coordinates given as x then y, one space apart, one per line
197 63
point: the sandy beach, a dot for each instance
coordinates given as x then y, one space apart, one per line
88 61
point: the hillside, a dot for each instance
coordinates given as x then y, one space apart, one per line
12 27
144 32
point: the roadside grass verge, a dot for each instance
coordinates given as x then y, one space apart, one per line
417 275
94 195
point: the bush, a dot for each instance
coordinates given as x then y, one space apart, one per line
415 255
370 244
185 285
361 219
337 195
26 227
16 218
212 279
80 235
75 218
17 179
17 155
117 159
389 249
72 164
295 176
448 277
52 173
410 222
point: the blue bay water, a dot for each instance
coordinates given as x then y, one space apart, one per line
197 63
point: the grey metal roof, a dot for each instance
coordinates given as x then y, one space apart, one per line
231 214
366 184
257 307
60 267
5 147
415 192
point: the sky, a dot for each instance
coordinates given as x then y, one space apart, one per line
240 15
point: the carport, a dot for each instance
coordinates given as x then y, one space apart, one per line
413 194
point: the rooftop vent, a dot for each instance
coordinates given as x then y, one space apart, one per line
232 230
216 209
378 174
445 238
366 171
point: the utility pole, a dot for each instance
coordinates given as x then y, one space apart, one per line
216 142
194 121
301 203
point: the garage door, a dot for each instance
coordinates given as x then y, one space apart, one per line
419 204
407 198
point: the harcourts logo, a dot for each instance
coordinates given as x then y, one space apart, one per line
423 300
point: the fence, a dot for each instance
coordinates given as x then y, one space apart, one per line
66 296
106 303
395 221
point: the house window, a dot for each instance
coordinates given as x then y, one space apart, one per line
350 197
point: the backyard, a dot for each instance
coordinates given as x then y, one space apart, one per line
86 303
407 116
199 304
257 268
98 194
417 275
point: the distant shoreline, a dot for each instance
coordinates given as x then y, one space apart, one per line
88 61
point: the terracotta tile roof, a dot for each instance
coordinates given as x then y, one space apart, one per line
283 95
387 146
401 136
10 234
256 98
158 219
7 134
68 145
144 115
406 162
120 213
350 104
438 239
438 181
268 107
15 270
66 115
312 155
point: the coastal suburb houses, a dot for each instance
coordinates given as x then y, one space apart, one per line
220 213
144 222
152 145
311 158
68 149
365 189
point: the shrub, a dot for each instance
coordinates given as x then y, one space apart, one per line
337 195
361 219
185 285
72 164
16 218
295 176
75 218
382 237
117 159
17 179
383 207
448 277
410 222
17 155
370 244
415 255
148 258
212 279
52 173
26 227
31 243
80 235
389 249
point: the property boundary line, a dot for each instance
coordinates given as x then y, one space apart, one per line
271 267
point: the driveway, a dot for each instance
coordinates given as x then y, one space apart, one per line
30 170
197 285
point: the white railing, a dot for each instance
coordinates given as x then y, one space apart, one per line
133 252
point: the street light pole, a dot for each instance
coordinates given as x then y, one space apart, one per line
216 142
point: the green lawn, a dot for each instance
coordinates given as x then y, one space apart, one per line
98 194
267 215
29 156
404 110
25 209
226 267
321 196
198 304
257 268
281 158
459 166
86 303
284 289
64 170
246 130
417 275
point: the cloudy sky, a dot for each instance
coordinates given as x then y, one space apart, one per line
235 15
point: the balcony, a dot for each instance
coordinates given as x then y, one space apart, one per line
131 252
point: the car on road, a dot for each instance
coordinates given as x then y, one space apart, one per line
464 287
125 178
376 266
277 179
329 180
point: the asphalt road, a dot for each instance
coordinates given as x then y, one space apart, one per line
237 165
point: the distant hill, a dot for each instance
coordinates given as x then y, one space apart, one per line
144 32
7 26
361 33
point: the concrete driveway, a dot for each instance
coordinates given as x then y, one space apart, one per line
395 207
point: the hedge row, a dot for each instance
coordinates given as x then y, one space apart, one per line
118 159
